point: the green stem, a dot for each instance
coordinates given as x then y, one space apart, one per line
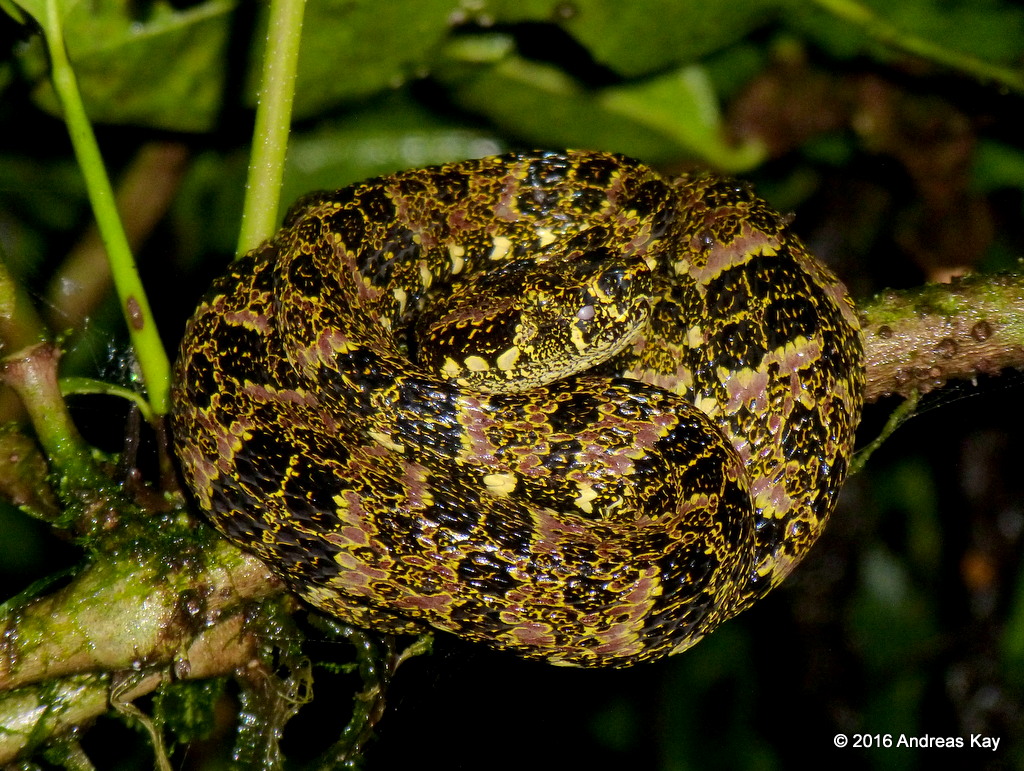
29 366
884 31
273 122
32 373
904 412
134 304
88 385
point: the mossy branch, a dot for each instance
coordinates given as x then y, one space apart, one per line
130 610
918 339
35 714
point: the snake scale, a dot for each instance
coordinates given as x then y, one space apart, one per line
552 402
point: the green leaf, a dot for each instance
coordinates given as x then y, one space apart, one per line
997 165
382 136
37 9
164 70
355 48
665 118
644 36
991 30
682 105
14 10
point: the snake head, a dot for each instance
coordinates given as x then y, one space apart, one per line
537 321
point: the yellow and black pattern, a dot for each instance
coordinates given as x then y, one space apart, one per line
552 402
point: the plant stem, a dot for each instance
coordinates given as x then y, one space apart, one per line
145 191
29 366
134 304
32 373
273 122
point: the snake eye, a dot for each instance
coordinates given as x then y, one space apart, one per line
586 313
611 281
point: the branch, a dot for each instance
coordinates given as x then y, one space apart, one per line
916 340
128 610
159 608
33 715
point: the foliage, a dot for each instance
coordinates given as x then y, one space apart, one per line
890 128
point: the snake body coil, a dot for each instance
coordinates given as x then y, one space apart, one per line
553 402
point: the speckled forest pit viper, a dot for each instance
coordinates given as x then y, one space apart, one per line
553 402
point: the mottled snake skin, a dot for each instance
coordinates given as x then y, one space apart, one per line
364 403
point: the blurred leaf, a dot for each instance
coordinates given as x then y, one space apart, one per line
390 134
997 165
37 9
644 36
385 135
1013 637
121 62
661 119
617 725
708 712
683 106
732 68
913 490
890 616
13 10
24 543
345 56
354 48
989 29
37 197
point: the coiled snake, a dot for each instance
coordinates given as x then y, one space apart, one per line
553 402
